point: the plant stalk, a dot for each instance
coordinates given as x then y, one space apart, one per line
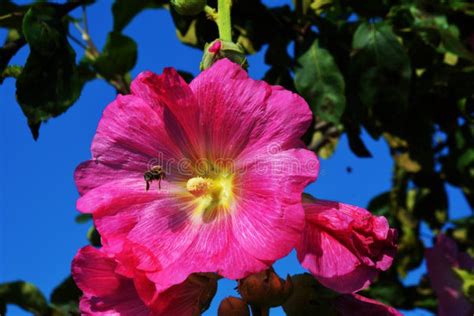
223 20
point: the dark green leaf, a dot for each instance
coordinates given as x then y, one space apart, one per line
356 144
49 83
118 56
44 29
48 86
380 205
319 81
382 70
83 218
25 295
94 237
66 294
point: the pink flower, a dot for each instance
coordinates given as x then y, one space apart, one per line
344 246
228 167
108 292
440 260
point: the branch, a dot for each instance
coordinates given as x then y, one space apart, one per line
9 49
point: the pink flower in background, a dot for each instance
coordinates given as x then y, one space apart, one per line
108 292
344 246
440 260
226 170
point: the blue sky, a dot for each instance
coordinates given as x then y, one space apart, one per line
38 235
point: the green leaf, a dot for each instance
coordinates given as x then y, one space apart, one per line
49 83
467 279
381 68
44 29
118 56
25 295
47 86
66 297
319 81
83 218
355 142
380 205
125 10
447 35
11 71
94 237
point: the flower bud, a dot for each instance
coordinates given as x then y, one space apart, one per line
188 7
233 306
222 49
207 282
265 289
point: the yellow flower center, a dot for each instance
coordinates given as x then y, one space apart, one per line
211 195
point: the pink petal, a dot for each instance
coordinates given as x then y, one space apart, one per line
344 246
105 292
270 233
132 136
274 119
214 249
180 105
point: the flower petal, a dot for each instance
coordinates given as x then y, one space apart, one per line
228 100
214 249
172 92
345 246
269 217
105 292
448 287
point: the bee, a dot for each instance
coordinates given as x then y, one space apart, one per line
155 173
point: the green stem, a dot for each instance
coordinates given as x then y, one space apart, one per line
223 20
211 13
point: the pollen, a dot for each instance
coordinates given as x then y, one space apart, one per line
199 186
212 196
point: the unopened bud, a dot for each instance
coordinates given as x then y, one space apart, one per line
265 289
207 283
233 306
222 49
188 7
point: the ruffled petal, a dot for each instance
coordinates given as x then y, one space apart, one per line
105 292
344 246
